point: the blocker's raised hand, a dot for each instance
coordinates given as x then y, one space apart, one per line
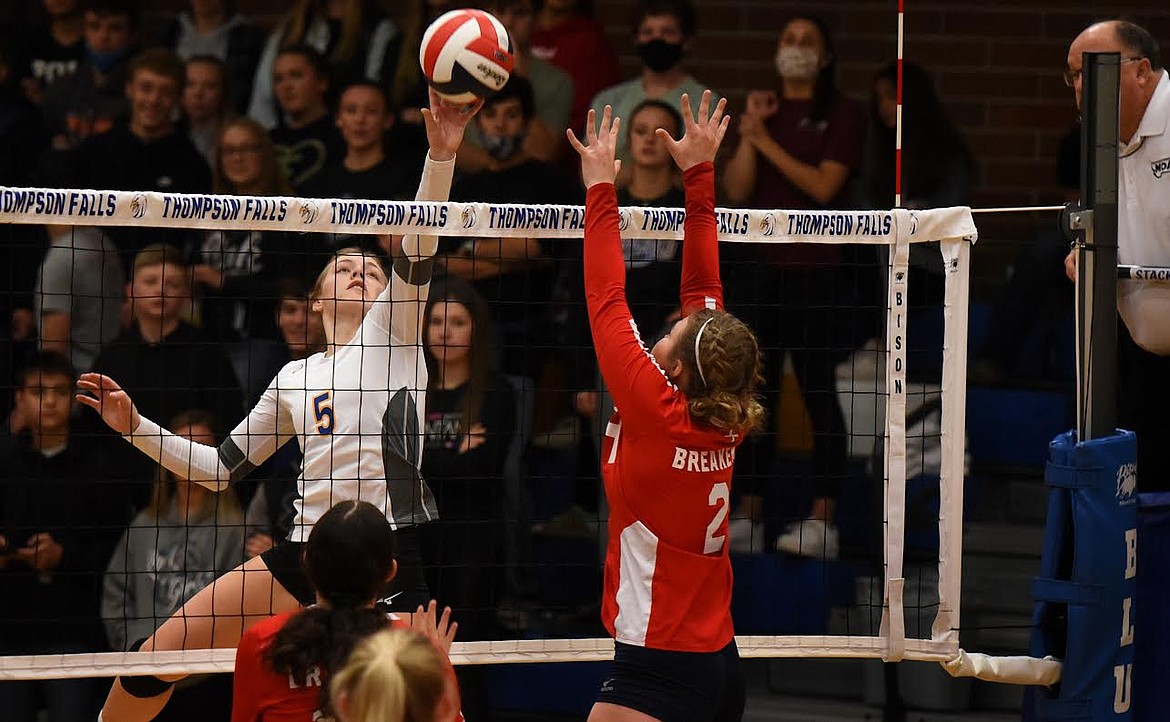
703 135
598 155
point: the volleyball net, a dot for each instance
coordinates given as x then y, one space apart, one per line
835 289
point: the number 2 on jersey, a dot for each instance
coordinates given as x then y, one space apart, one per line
323 410
719 497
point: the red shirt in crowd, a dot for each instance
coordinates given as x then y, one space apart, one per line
839 137
579 47
667 478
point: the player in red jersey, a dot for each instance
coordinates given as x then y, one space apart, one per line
284 663
682 408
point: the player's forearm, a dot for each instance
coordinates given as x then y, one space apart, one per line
605 268
700 263
197 462
435 185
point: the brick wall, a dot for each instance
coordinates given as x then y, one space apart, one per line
997 65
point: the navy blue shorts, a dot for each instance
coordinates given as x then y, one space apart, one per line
403 594
676 686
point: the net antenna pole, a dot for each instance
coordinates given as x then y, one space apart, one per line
1096 288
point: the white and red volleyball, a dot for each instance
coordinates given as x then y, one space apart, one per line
466 55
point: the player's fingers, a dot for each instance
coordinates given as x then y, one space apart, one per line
687 113
590 126
606 121
720 107
704 107
617 168
89 401
577 146
722 131
614 128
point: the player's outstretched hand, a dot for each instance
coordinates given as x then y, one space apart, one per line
703 135
109 400
599 153
439 629
445 124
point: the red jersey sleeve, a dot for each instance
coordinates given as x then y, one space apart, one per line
701 287
638 384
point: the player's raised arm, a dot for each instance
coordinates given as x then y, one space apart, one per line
250 444
413 267
695 155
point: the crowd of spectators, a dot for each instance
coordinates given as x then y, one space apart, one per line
194 324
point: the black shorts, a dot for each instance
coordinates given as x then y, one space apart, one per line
404 593
676 686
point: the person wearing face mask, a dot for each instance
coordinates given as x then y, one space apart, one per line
514 275
798 147
663 30
91 100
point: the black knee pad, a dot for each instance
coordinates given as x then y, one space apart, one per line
144 687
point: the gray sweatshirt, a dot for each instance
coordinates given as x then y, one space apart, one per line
159 564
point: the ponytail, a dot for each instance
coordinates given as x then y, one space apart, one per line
319 639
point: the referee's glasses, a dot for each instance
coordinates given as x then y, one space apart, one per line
1072 76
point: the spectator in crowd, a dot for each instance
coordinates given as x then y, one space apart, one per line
237 272
567 36
22 131
185 538
54 51
92 100
205 102
798 147
58 523
148 153
168 365
213 28
937 168
79 294
365 170
285 665
663 31
1035 291
552 92
307 138
470 422
355 39
515 275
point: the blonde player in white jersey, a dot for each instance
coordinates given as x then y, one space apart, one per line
356 410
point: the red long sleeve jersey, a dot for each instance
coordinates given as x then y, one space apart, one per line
667 479
261 695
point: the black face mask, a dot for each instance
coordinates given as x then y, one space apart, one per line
659 55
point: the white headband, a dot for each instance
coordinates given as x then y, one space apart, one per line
698 363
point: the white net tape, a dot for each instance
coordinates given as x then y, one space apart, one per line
897 229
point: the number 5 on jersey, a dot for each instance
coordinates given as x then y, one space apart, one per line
323 410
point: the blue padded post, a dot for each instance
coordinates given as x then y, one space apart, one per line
1084 596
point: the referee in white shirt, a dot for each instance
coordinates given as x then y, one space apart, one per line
1143 237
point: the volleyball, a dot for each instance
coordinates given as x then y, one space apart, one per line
466 55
